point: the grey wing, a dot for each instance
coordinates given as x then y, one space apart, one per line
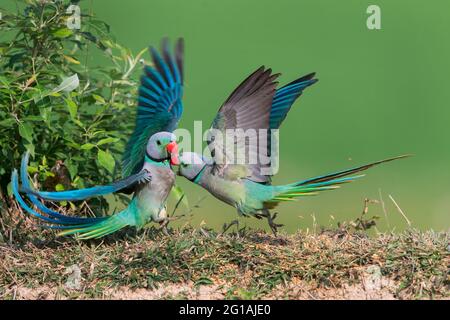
235 139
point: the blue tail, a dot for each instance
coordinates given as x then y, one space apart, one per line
54 217
62 218
86 228
80 194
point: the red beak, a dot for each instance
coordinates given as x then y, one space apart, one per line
172 148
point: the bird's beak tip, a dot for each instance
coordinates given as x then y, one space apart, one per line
172 149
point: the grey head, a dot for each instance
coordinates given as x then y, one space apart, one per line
191 164
163 146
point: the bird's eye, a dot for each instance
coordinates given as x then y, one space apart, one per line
158 142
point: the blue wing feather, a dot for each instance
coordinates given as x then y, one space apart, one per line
159 103
286 96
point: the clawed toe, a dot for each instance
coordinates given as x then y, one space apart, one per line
273 226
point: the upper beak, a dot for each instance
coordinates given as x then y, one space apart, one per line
172 149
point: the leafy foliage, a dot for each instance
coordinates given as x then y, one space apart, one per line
54 103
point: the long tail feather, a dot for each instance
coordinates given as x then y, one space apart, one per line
80 194
23 204
86 228
347 172
62 218
100 229
315 185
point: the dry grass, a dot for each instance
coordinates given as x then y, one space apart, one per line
201 263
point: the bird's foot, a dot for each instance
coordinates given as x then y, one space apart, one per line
147 178
174 218
273 226
164 227
165 223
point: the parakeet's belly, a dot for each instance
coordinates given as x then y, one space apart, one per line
151 197
231 192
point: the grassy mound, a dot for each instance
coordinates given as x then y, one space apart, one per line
201 263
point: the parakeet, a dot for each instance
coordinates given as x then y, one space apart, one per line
255 198
146 160
255 104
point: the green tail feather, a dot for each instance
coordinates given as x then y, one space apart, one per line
294 192
100 229
313 186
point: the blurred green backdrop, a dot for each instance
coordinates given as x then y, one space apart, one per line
381 93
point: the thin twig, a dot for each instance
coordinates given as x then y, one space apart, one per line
401 211
383 206
177 205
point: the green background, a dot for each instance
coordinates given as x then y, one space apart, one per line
381 93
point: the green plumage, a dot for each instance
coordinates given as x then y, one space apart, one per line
252 198
148 204
125 218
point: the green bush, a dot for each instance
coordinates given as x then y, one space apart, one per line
54 103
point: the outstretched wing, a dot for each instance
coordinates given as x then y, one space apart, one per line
286 96
248 110
159 103
282 102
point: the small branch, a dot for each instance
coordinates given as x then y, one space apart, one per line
400 210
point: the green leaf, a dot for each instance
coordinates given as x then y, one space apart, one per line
59 187
9 189
72 206
71 59
73 108
63 33
32 169
79 123
45 113
48 174
106 160
78 182
73 169
30 148
107 140
180 195
4 81
7 122
99 99
32 118
203 281
87 146
26 131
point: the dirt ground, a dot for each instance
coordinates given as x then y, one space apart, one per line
372 286
201 264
